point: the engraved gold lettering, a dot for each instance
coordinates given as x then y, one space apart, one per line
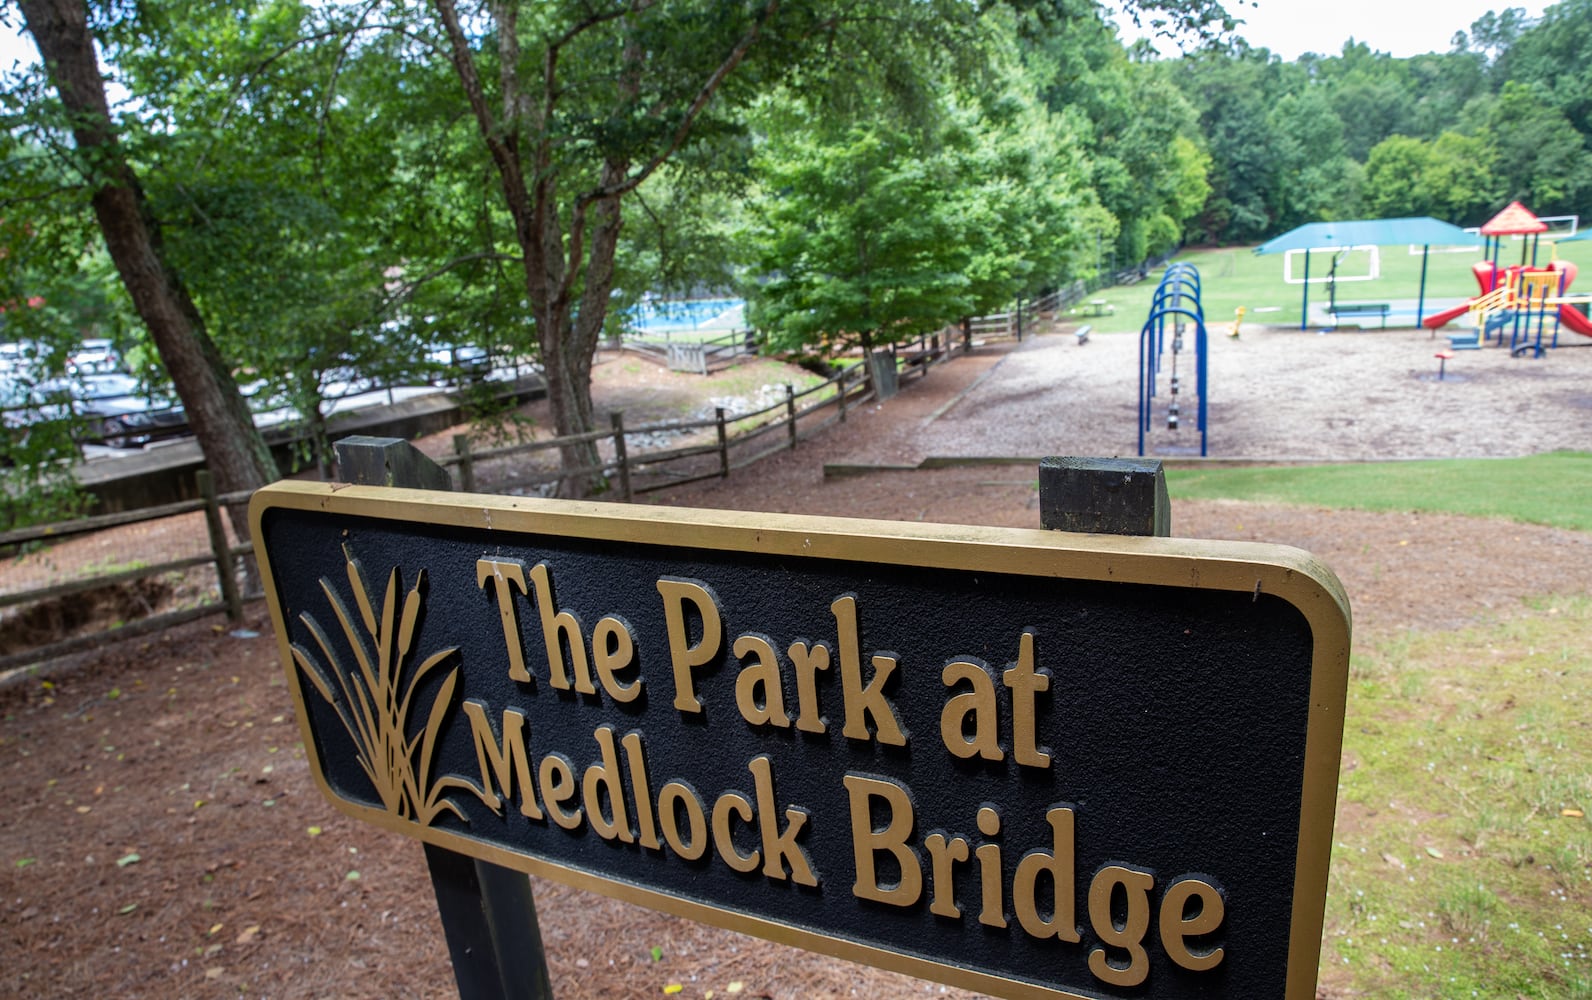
682 654
807 662
1129 935
724 835
612 650
863 702
1025 683
506 760
636 760
1058 864
979 703
604 777
558 629
779 848
867 842
677 795
556 777
507 573
942 853
758 691
1177 925
993 911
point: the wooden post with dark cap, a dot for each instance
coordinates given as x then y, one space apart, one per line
488 913
1107 496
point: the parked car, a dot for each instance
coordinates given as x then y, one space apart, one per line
114 407
23 405
96 357
460 362
16 359
23 402
121 414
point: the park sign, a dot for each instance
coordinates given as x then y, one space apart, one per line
1031 763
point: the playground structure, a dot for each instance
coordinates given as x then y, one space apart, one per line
1176 303
1518 298
1529 304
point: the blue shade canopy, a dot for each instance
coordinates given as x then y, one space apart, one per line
1422 231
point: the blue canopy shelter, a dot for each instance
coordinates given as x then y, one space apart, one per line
1424 232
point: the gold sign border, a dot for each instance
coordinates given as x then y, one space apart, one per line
1247 567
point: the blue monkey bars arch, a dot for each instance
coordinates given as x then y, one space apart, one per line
1175 305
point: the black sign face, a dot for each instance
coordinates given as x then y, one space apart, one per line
1024 762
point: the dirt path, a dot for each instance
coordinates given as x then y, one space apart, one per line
162 837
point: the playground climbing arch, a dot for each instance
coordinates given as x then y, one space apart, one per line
1175 313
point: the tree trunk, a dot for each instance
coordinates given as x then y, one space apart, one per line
557 259
568 372
237 455
581 345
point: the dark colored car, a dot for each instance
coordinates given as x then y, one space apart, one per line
113 406
460 362
118 412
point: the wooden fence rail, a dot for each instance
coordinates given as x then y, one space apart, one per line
223 555
737 441
629 464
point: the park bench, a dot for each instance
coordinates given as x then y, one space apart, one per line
1464 341
1379 309
1082 333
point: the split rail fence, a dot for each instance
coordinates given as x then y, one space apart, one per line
60 583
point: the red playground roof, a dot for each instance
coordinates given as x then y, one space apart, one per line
1514 221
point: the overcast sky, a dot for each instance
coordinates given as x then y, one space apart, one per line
1290 28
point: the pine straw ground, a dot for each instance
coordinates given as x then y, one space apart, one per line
161 836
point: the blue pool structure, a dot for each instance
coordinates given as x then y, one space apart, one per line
660 316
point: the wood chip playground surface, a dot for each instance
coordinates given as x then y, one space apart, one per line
1274 394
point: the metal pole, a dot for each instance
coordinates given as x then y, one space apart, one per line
1145 390
1201 356
1420 304
1304 308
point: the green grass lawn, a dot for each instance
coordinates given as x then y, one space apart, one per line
1462 858
1462 855
1231 277
1553 489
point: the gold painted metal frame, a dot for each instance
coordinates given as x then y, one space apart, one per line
1288 573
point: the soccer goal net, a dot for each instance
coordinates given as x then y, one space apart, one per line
1356 263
